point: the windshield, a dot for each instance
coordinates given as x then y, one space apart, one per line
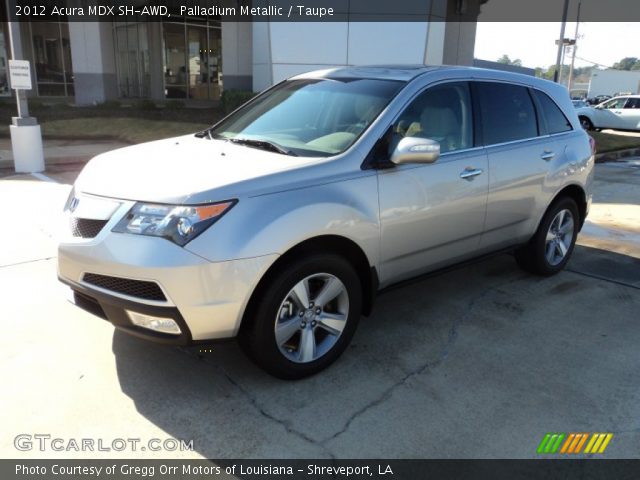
310 117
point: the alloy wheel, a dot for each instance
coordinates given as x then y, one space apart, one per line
312 317
559 237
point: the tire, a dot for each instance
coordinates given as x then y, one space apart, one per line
551 246
586 123
290 340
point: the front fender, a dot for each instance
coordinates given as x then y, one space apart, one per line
274 223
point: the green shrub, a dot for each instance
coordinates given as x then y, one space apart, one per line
145 104
232 99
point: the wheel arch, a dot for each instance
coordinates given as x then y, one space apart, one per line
589 118
577 193
336 244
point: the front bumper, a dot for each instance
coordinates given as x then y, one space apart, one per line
206 299
115 309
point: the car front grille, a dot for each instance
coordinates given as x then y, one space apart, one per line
86 227
125 286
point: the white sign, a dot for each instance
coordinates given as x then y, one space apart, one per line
20 74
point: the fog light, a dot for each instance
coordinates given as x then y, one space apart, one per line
158 324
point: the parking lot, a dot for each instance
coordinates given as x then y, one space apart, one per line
480 362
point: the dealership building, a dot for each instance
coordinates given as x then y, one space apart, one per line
197 57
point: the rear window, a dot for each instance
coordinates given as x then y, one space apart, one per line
555 119
507 113
633 103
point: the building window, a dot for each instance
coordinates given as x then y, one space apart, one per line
132 59
192 57
51 51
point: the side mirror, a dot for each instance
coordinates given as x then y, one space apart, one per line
415 150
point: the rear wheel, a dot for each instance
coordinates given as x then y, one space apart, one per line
550 248
304 318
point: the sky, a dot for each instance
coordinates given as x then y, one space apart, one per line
534 43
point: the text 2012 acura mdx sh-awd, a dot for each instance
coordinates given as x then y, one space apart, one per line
280 223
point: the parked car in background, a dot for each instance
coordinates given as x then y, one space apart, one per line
280 223
619 113
579 103
598 99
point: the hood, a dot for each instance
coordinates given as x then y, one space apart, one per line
172 170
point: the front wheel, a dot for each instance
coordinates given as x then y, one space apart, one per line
550 248
586 123
304 318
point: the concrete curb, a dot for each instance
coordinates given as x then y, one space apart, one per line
617 155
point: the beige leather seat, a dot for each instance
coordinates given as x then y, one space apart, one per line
439 124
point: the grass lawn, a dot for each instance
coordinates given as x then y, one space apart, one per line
125 129
125 124
607 142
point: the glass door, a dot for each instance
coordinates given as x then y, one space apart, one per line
175 68
197 62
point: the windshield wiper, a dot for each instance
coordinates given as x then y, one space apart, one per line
204 134
264 145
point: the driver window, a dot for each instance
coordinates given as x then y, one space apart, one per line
616 103
441 113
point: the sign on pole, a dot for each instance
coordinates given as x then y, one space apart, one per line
20 74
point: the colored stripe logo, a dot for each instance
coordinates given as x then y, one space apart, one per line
573 443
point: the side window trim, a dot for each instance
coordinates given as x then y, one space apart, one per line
478 127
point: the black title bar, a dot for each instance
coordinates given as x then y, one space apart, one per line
322 10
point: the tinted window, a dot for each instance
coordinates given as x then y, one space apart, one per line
441 113
633 103
555 119
506 112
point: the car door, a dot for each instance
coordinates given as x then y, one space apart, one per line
630 115
518 162
432 215
609 114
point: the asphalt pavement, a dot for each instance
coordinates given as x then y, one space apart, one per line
480 362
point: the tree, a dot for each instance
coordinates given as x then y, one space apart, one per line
627 63
549 72
504 59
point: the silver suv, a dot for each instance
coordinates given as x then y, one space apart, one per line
280 223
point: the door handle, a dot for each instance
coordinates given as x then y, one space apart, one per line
547 155
470 173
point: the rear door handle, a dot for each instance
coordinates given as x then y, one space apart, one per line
547 155
470 173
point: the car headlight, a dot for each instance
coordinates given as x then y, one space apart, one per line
178 223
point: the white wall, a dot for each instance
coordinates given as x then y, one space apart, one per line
237 54
92 56
282 49
608 82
